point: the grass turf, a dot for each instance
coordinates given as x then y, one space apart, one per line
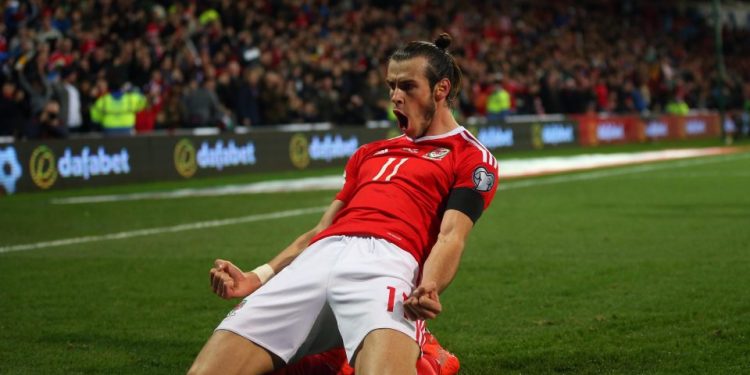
633 273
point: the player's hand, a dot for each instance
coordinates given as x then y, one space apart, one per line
423 303
228 281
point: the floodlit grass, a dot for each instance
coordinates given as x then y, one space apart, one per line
635 273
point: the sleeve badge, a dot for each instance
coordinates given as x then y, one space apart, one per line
483 180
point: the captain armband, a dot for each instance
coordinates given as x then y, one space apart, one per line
264 272
468 201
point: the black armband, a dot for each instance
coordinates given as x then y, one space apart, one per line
468 201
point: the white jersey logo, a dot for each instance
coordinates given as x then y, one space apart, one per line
483 180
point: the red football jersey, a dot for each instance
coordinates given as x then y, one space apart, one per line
397 189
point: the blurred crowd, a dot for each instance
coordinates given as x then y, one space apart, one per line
228 63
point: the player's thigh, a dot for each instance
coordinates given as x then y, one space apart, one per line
370 283
387 351
284 316
228 353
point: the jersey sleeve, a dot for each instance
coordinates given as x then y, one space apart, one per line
475 184
351 173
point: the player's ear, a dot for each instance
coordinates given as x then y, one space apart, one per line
442 89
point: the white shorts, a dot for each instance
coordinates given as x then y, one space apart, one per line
337 291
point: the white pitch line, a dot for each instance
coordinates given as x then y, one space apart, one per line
620 171
282 214
155 231
278 186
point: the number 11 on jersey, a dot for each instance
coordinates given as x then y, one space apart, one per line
386 167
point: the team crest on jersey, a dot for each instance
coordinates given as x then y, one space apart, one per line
437 153
483 180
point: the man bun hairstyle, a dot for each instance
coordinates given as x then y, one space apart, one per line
443 42
440 63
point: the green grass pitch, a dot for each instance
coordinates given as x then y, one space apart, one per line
639 272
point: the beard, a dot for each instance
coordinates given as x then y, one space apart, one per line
427 115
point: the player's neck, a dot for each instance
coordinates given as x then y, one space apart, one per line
442 123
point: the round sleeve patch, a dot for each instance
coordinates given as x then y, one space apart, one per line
483 180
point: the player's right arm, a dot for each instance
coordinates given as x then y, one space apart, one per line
229 281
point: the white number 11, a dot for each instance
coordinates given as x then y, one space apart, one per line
385 168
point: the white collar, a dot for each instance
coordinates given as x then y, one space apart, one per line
451 133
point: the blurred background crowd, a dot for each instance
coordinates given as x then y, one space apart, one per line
229 63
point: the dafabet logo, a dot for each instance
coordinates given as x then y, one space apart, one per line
212 155
45 167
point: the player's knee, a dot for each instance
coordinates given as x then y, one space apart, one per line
387 352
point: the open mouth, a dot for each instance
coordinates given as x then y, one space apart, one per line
403 121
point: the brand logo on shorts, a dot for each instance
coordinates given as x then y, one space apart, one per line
483 180
437 153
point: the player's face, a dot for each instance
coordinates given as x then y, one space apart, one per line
413 101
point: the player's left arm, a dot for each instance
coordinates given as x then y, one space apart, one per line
474 189
441 266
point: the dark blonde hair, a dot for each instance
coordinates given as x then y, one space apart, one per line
440 63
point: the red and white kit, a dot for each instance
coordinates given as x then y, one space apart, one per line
397 189
356 273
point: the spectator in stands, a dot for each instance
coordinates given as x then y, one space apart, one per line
170 117
498 103
556 59
48 31
115 111
528 100
550 92
354 112
328 100
375 97
36 85
248 98
141 68
67 95
12 110
200 104
48 123
273 99
145 120
228 86
90 91
677 106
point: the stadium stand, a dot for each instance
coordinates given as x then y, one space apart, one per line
253 63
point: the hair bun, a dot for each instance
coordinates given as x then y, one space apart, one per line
443 41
